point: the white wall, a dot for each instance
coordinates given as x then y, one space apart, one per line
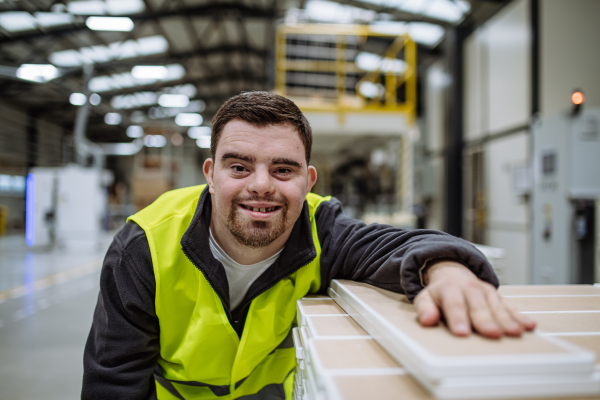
497 97
570 53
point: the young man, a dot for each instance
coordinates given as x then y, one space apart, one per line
198 290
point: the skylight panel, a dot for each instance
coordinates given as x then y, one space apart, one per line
88 7
425 33
444 10
16 21
126 80
110 7
141 99
114 51
328 11
124 7
50 19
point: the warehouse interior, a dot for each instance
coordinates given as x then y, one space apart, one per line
480 118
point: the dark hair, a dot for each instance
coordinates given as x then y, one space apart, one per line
261 109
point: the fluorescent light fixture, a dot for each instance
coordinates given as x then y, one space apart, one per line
150 72
196 132
16 21
124 7
114 51
37 72
188 119
173 100
135 131
50 19
30 210
445 10
370 89
203 142
77 99
88 7
195 106
126 80
112 118
373 62
118 24
95 99
328 11
18 184
139 99
425 33
155 141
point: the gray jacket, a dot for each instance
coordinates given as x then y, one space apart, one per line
123 345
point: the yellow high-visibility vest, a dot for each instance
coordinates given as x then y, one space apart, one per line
201 355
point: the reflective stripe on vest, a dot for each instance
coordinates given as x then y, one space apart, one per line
200 353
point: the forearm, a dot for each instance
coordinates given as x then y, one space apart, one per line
122 346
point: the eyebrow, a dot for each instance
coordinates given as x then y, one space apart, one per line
238 156
286 161
249 159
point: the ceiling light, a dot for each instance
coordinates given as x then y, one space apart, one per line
149 72
49 19
15 21
37 72
95 99
77 99
425 33
329 11
124 7
135 131
196 132
173 100
112 119
116 50
88 7
155 141
444 10
203 142
188 119
370 89
120 24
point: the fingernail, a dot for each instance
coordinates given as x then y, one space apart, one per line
461 327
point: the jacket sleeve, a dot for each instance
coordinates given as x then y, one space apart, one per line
385 256
122 347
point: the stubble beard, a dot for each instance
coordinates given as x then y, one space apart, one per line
256 234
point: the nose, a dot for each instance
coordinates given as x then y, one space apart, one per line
261 182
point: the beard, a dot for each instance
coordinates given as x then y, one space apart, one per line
256 234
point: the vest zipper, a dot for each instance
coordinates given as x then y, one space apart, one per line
226 308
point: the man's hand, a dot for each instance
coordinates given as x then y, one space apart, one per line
466 302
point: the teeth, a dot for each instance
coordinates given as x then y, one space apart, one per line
262 209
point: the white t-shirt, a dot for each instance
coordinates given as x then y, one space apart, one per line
240 277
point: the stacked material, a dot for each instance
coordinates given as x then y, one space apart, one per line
534 365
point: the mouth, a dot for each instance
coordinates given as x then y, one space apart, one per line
261 209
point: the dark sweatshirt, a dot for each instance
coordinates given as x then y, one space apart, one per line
123 345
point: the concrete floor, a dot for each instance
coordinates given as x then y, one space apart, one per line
47 298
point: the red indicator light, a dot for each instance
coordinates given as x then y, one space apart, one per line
577 98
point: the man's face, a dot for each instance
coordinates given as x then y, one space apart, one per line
258 181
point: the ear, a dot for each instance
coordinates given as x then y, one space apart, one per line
312 178
209 169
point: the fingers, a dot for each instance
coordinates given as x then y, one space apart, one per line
427 310
480 311
507 319
455 310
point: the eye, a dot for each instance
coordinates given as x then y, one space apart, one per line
238 168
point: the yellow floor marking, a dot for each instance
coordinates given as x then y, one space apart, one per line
53 279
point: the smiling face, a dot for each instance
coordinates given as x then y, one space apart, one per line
258 181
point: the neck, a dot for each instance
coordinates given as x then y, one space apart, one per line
243 254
